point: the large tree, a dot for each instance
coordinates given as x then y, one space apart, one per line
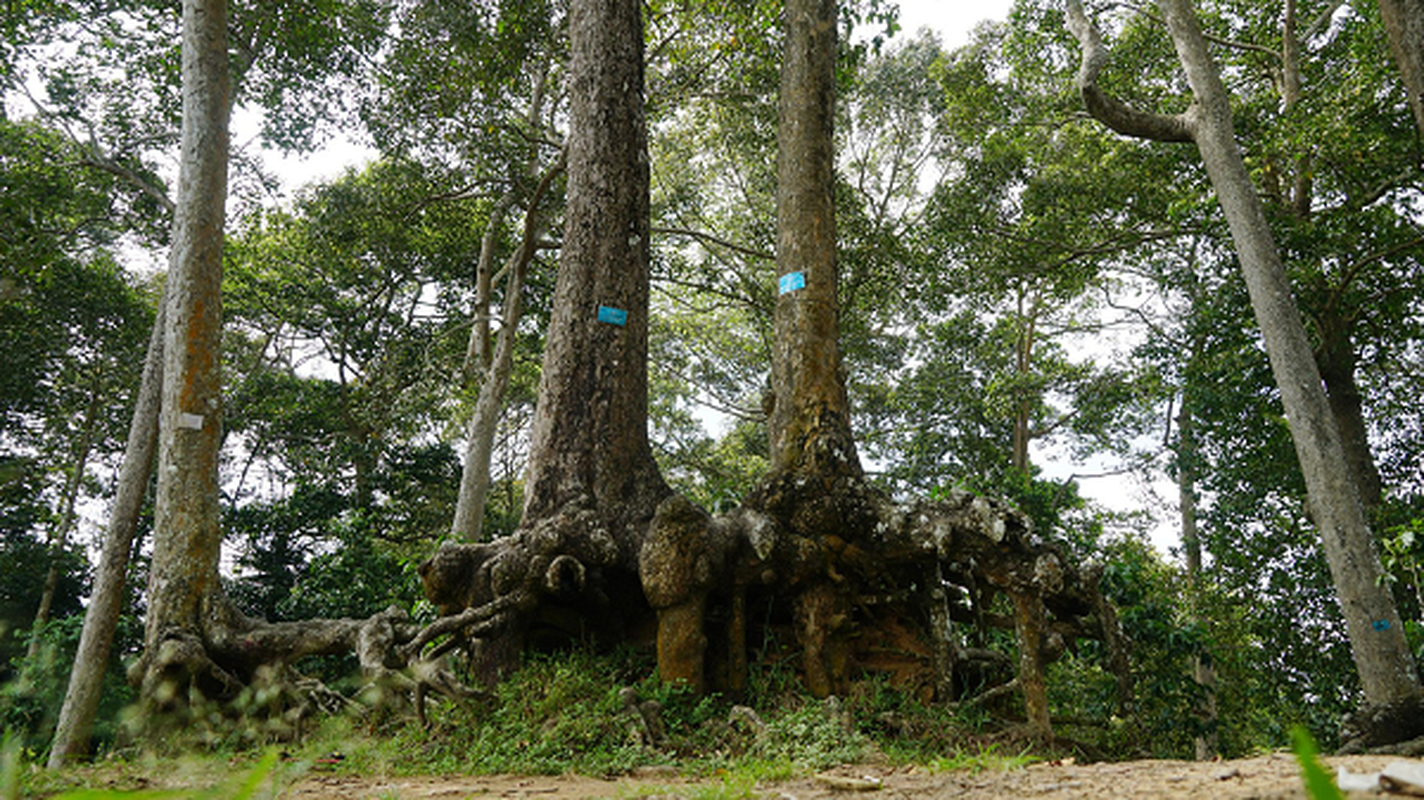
183 590
591 486
813 553
1385 663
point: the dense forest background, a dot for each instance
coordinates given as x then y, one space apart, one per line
1028 302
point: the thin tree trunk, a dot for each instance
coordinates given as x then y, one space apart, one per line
479 446
1023 407
86 680
479 352
1203 671
1382 656
59 539
183 589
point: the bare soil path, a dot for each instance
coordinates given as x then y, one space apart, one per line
1261 778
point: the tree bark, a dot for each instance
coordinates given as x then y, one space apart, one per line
1382 656
1335 355
1335 351
1404 22
810 421
592 487
1203 670
183 589
589 443
86 680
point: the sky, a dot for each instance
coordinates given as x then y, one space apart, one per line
952 19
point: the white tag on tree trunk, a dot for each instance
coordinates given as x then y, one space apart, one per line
190 421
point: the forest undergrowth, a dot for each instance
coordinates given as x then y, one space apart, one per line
576 712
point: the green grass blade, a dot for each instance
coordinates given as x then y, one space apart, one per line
1318 783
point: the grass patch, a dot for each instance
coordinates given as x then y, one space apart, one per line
986 759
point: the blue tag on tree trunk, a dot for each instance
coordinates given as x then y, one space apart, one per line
792 281
613 316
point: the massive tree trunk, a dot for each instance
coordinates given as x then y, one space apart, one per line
106 602
589 445
1382 656
810 421
592 486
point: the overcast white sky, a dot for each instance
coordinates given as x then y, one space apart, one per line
953 19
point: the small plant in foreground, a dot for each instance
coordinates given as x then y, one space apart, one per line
1318 783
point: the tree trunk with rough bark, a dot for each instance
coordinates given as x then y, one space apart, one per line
1386 666
106 602
183 581
198 648
589 444
810 422
592 486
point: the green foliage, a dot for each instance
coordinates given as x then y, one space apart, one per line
553 715
31 696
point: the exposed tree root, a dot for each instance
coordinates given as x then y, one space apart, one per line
244 666
863 584
1394 728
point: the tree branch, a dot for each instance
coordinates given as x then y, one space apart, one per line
1109 110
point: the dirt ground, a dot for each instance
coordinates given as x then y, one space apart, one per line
1262 778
